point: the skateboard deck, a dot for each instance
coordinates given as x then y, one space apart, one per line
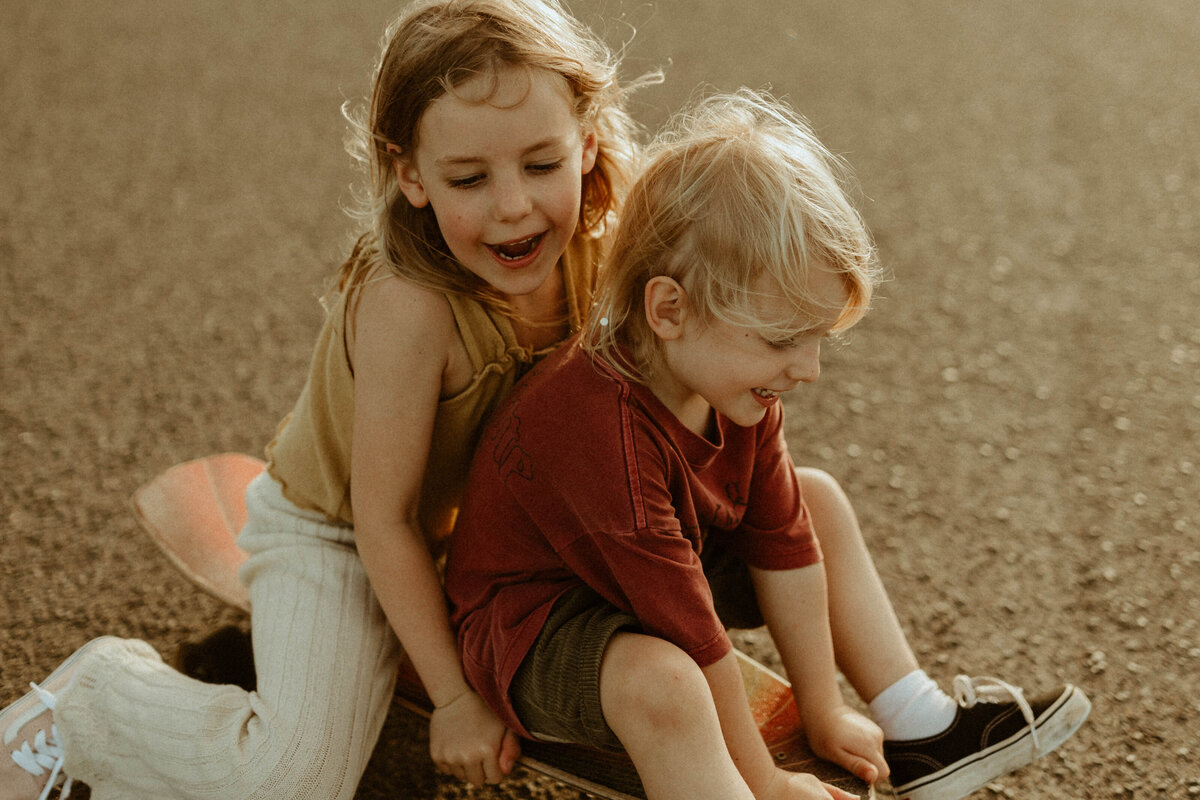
194 511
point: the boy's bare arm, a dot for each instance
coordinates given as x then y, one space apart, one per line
744 742
746 746
796 607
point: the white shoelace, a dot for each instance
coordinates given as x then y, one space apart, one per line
46 753
984 689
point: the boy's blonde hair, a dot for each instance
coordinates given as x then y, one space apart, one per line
435 46
736 189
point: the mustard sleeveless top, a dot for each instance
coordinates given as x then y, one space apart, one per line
310 454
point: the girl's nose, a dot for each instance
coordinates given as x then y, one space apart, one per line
511 199
805 365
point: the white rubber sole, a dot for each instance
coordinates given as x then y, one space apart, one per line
1055 726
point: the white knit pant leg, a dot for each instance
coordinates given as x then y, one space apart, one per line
326 660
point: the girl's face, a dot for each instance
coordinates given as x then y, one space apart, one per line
501 162
735 369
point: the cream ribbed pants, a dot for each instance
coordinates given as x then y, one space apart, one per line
326 660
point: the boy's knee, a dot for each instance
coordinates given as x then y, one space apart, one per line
832 513
818 482
651 683
822 492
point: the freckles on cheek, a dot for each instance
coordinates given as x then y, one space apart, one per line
455 224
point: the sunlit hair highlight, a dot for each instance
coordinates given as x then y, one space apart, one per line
737 188
435 46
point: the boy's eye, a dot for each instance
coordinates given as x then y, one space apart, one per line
798 338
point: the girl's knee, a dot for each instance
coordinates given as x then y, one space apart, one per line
649 682
309 761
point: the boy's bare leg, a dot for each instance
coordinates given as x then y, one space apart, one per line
938 746
658 703
869 644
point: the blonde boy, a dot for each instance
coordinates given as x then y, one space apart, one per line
625 461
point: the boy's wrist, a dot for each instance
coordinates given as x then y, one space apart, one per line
816 711
759 773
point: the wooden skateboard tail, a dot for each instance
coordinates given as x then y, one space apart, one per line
194 512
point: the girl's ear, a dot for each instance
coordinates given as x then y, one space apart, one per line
408 178
590 148
666 307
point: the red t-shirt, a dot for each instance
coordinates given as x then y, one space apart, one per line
586 477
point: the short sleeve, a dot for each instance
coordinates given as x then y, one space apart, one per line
776 531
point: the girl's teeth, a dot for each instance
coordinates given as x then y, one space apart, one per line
764 393
515 250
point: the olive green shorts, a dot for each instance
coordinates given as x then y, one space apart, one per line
556 691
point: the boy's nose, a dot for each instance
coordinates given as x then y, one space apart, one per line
805 366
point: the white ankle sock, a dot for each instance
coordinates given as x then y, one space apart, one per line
913 708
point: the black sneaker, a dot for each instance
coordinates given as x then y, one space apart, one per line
995 732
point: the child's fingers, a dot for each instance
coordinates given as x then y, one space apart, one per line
491 771
881 765
870 765
840 794
863 768
510 751
495 768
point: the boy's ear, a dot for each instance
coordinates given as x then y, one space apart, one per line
666 307
408 178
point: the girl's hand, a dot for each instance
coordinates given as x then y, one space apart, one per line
786 785
466 740
850 740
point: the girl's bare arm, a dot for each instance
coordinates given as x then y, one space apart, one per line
403 338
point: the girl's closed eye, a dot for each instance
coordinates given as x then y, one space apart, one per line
465 182
545 168
475 179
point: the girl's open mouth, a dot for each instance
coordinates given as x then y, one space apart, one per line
516 252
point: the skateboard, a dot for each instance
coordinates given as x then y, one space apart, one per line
194 511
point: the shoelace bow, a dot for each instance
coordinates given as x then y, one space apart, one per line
46 752
984 689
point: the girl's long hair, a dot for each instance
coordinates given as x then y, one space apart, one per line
431 48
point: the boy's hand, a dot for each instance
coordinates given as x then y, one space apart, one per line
786 785
467 740
849 740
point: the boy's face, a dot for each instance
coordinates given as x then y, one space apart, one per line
737 370
501 162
